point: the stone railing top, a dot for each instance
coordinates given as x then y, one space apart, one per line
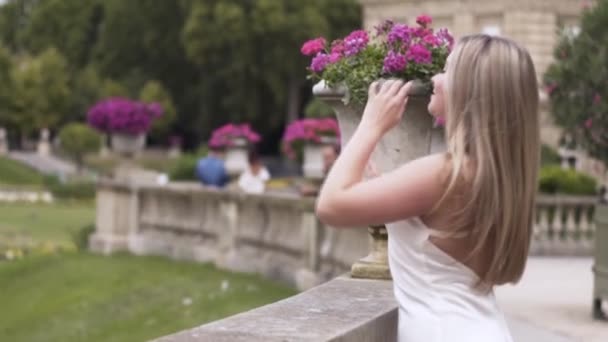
343 309
565 200
195 189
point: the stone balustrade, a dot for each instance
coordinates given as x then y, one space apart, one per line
564 225
274 235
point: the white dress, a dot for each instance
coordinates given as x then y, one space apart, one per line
434 293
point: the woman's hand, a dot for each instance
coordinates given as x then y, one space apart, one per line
385 105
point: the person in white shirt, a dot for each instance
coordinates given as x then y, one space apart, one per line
253 179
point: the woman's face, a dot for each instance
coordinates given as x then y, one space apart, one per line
437 105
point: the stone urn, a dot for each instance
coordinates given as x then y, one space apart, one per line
236 157
414 137
313 165
600 264
127 144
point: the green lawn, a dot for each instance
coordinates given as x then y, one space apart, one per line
77 296
38 223
14 173
84 297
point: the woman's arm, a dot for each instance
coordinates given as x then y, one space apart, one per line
411 190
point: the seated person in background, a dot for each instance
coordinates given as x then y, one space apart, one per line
253 179
330 154
210 170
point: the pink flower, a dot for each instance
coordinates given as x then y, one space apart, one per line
550 88
399 33
307 130
313 46
319 63
394 62
334 57
424 20
419 54
225 135
589 123
337 46
384 28
421 32
445 36
597 99
355 42
431 40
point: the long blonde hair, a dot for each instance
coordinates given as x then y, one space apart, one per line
492 133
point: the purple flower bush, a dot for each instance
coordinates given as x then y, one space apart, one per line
121 115
305 131
394 51
226 135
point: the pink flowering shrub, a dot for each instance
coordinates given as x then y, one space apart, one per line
305 131
392 51
121 115
226 135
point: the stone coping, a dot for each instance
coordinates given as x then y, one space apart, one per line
195 189
343 309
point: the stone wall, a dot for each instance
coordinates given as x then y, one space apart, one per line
274 235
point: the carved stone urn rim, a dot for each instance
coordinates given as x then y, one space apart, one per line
320 89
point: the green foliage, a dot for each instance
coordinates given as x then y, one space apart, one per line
318 109
154 91
549 156
219 61
80 237
41 93
184 169
68 25
554 179
576 82
78 139
70 190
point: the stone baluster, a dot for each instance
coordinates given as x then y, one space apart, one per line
584 227
556 227
570 229
541 231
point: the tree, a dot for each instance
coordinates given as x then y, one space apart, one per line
68 25
264 81
41 93
153 91
576 82
77 140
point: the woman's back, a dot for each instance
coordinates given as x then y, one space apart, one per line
434 293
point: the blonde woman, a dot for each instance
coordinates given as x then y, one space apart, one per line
459 222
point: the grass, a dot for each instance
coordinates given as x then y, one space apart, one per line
37 223
84 297
77 296
15 173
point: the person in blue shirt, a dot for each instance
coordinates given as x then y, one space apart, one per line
210 170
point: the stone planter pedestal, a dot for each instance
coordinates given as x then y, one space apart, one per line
236 157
